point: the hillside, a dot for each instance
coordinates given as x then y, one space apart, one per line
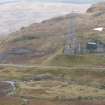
59 79
41 41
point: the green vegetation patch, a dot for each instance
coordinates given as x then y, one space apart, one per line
87 59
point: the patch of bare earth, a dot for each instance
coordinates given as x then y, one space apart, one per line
8 100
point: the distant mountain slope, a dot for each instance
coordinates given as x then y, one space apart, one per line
100 7
38 42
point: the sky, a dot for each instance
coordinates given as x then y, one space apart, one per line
70 1
63 1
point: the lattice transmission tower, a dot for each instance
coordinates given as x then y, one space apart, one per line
72 46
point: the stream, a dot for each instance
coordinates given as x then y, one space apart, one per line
13 84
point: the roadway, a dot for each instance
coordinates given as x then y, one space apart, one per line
91 68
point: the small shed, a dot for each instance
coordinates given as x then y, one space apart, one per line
95 47
91 46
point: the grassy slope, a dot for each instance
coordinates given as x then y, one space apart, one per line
83 60
50 35
65 84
